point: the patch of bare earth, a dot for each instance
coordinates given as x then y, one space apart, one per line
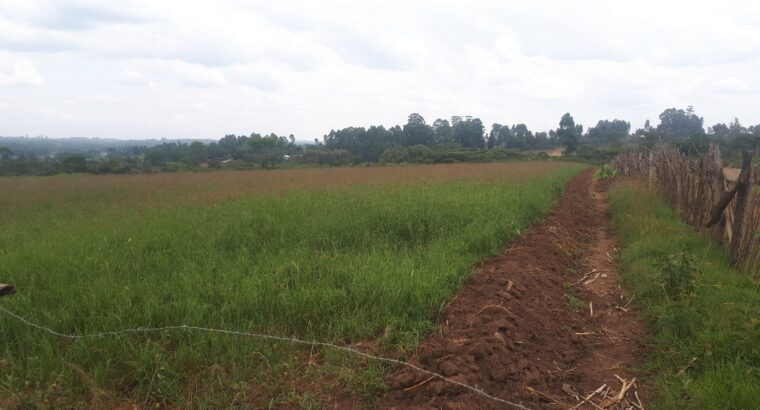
543 325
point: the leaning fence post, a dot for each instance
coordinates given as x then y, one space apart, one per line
742 197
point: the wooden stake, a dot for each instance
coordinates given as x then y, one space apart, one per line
742 198
715 164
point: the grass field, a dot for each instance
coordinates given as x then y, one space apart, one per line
705 341
343 255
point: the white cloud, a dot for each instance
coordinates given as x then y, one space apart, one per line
57 115
18 72
132 77
194 75
141 68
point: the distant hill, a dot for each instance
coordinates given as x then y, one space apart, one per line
46 147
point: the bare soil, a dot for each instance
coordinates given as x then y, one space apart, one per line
544 324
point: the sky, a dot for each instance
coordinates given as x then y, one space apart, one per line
137 69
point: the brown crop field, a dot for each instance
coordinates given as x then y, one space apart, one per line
33 194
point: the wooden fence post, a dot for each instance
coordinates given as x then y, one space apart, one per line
742 197
715 168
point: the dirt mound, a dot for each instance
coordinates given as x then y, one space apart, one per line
522 328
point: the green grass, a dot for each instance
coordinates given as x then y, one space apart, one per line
346 264
717 322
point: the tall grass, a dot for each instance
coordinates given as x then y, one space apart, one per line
343 264
706 344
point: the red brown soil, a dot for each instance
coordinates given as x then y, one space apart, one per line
513 331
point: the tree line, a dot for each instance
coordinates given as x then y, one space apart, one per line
458 139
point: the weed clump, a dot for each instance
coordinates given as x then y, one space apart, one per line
606 172
677 272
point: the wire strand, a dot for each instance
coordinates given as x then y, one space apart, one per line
259 336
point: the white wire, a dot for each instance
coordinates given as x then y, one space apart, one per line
260 336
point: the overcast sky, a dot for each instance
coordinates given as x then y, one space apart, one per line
187 69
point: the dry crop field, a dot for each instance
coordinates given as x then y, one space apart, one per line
353 256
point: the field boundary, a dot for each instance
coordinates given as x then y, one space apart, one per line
183 327
722 202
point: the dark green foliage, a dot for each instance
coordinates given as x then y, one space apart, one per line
733 130
468 132
568 133
415 142
417 132
443 132
447 154
328 157
609 132
5 153
694 145
517 136
73 163
366 144
677 123
269 150
595 154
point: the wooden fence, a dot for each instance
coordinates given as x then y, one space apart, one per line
722 202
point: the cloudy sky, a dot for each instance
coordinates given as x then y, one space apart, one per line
187 69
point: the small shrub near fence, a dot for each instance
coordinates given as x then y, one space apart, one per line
723 202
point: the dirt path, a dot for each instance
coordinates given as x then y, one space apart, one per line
522 328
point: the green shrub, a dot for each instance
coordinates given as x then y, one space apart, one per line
606 172
677 272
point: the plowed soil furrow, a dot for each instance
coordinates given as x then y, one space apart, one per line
543 324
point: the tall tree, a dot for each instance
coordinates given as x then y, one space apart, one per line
678 124
499 136
5 153
493 136
196 153
417 131
736 129
719 130
542 139
609 131
373 144
568 133
522 137
73 163
443 132
468 132
754 130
